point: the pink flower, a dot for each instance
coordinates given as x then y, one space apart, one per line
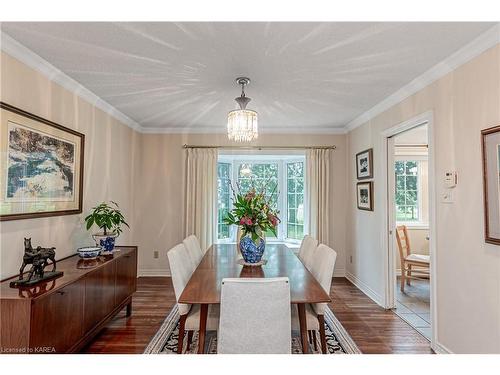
249 221
242 221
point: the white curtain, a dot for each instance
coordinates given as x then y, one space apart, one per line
318 193
201 195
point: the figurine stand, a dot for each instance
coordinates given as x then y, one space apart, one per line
35 280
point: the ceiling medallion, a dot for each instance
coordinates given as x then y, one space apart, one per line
242 123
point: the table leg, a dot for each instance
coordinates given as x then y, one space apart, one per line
203 328
303 327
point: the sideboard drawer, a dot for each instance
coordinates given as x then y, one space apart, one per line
57 319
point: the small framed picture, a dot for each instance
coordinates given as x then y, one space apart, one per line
365 195
491 183
364 164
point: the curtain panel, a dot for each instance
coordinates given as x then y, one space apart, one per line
201 195
318 164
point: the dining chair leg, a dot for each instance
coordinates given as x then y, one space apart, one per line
190 339
403 273
315 342
180 340
303 327
310 337
409 274
203 328
322 334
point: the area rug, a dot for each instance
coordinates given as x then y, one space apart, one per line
165 340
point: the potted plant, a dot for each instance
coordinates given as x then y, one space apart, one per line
109 219
254 214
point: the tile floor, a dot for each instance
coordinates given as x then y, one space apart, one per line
413 306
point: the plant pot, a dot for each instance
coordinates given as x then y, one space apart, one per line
251 250
105 241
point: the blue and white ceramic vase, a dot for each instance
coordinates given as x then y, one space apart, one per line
251 250
105 242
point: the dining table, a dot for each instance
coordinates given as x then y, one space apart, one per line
224 261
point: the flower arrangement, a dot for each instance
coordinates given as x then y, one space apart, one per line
253 212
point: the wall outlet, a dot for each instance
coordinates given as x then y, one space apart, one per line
156 254
447 196
350 259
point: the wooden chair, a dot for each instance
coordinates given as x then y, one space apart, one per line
413 266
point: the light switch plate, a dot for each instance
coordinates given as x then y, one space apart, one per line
447 197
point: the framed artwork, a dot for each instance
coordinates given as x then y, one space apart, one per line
491 183
41 166
364 164
365 195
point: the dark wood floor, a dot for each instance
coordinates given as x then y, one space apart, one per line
374 329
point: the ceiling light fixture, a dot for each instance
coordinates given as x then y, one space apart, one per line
242 123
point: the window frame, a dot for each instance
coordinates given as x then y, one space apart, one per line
418 159
281 160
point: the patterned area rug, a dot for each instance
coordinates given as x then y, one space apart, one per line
165 340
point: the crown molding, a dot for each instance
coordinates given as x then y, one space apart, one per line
31 59
486 40
220 130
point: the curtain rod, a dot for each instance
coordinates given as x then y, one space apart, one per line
263 147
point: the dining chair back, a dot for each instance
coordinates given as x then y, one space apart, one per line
194 250
322 269
180 270
307 250
255 316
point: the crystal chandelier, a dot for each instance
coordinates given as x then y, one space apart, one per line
242 123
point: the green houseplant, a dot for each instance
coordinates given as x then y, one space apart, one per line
108 217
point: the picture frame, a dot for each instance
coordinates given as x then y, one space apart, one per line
364 164
490 148
41 166
364 194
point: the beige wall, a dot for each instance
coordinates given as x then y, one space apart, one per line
110 152
468 270
161 184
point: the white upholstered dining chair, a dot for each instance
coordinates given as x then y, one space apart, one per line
322 269
181 271
194 250
307 249
255 316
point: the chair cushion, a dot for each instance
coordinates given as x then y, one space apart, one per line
193 319
418 258
311 318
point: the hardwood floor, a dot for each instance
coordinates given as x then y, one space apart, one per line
374 329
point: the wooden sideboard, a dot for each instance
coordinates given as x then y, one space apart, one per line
64 314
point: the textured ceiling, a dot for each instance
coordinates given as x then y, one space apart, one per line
181 75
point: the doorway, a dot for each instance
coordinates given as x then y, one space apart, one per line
409 211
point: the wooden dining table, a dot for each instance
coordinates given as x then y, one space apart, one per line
222 261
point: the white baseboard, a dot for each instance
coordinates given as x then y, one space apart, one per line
153 273
377 298
440 348
339 273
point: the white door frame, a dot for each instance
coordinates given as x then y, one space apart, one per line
388 237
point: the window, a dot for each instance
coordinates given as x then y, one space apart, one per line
295 200
407 191
224 198
279 176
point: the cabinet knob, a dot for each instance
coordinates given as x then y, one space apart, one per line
60 292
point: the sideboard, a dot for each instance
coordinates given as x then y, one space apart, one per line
62 315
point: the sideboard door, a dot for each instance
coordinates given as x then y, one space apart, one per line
126 276
99 294
57 319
